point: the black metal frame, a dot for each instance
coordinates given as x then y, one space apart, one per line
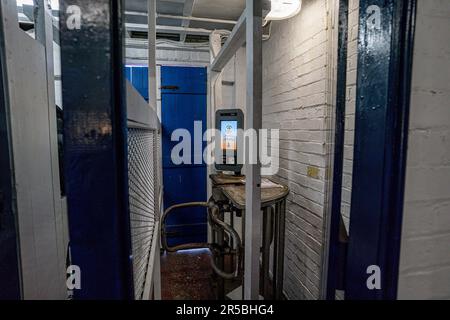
95 143
381 131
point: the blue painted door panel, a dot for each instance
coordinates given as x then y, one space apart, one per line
182 105
181 185
183 80
181 111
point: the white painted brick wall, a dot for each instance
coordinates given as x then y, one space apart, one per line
169 56
295 75
425 250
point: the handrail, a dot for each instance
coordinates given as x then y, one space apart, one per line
213 211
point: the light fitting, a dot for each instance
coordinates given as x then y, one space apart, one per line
283 9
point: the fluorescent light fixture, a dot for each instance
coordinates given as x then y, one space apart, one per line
284 9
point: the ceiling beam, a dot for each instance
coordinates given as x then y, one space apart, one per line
176 1
175 17
234 42
224 21
168 29
237 38
188 9
161 45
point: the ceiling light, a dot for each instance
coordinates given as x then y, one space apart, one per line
284 9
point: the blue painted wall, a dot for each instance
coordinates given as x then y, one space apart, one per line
138 77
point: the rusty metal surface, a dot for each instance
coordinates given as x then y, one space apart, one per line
225 179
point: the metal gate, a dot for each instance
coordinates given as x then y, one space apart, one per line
144 190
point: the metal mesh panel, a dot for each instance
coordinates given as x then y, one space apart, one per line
142 180
158 172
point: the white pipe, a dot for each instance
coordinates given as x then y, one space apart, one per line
173 29
169 16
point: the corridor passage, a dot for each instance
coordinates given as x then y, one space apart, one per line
225 150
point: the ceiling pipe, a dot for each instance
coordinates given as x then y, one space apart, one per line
175 17
170 29
168 16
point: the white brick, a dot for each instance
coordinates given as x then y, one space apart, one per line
425 251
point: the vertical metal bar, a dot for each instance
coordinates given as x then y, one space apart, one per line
243 219
221 262
276 231
157 272
152 95
44 34
341 100
214 100
267 235
156 277
280 252
253 216
96 146
384 64
231 244
405 57
39 21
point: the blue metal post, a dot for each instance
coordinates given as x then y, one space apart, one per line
386 29
95 146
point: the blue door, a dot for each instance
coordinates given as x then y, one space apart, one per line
183 101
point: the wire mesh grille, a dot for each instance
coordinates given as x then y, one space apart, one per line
142 181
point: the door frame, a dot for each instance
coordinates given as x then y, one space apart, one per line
205 124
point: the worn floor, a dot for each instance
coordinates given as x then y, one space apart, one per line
187 275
